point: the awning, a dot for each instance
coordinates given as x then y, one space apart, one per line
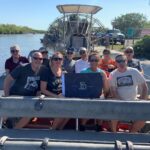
71 8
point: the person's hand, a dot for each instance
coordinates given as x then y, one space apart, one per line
60 96
111 66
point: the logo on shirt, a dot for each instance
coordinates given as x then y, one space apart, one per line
32 83
124 81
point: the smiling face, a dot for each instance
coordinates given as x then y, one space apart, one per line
129 53
121 61
70 55
94 61
37 59
57 60
14 50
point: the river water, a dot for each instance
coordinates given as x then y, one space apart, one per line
27 42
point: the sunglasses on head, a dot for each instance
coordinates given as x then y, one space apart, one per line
37 58
57 59
93 60
69 53
128 52
121 61
14 51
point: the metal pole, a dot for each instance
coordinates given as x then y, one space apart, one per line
31 144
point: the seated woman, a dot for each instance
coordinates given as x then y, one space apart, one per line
51 84
107 63
94 63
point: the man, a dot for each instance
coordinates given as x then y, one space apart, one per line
26 80
123 84
15 59
69 63
44 52
131 62
83 62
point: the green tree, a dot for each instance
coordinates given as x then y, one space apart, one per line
142 47
135 21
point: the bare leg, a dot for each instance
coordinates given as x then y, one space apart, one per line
22 123
114 124
137 126
59 123
83 121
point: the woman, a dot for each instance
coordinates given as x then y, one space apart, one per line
94 63
94 68
51 84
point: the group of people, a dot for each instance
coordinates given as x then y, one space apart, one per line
121 77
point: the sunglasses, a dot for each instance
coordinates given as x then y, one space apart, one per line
93 60
128 52
106 53
44 52
37 58
82 52
69 53
57 59
14 51
120 61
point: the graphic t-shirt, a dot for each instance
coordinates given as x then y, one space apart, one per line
126 83
26 81
54 83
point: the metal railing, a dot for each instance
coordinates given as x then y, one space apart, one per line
74 108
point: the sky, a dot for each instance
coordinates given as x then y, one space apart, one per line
39 14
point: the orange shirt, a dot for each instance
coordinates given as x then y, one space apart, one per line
104 65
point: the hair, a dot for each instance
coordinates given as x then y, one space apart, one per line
15 47
93 54
129 47
82 49
106 51
121 55
55 54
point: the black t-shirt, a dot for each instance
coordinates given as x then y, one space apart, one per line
27 82
46 62
134 63
54 84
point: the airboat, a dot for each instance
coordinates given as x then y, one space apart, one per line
74 28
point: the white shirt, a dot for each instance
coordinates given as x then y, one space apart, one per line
80 65
126 83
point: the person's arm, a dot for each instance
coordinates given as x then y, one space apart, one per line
114 93
46 92
7 84
105 84
7 71
144 91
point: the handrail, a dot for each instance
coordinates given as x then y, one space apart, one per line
74 108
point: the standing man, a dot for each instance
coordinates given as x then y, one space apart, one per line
131 62
69 63
83 62
15 59
26 80
123 84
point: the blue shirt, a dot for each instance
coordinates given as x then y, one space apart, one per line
88 70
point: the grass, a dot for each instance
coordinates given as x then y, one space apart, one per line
117 47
